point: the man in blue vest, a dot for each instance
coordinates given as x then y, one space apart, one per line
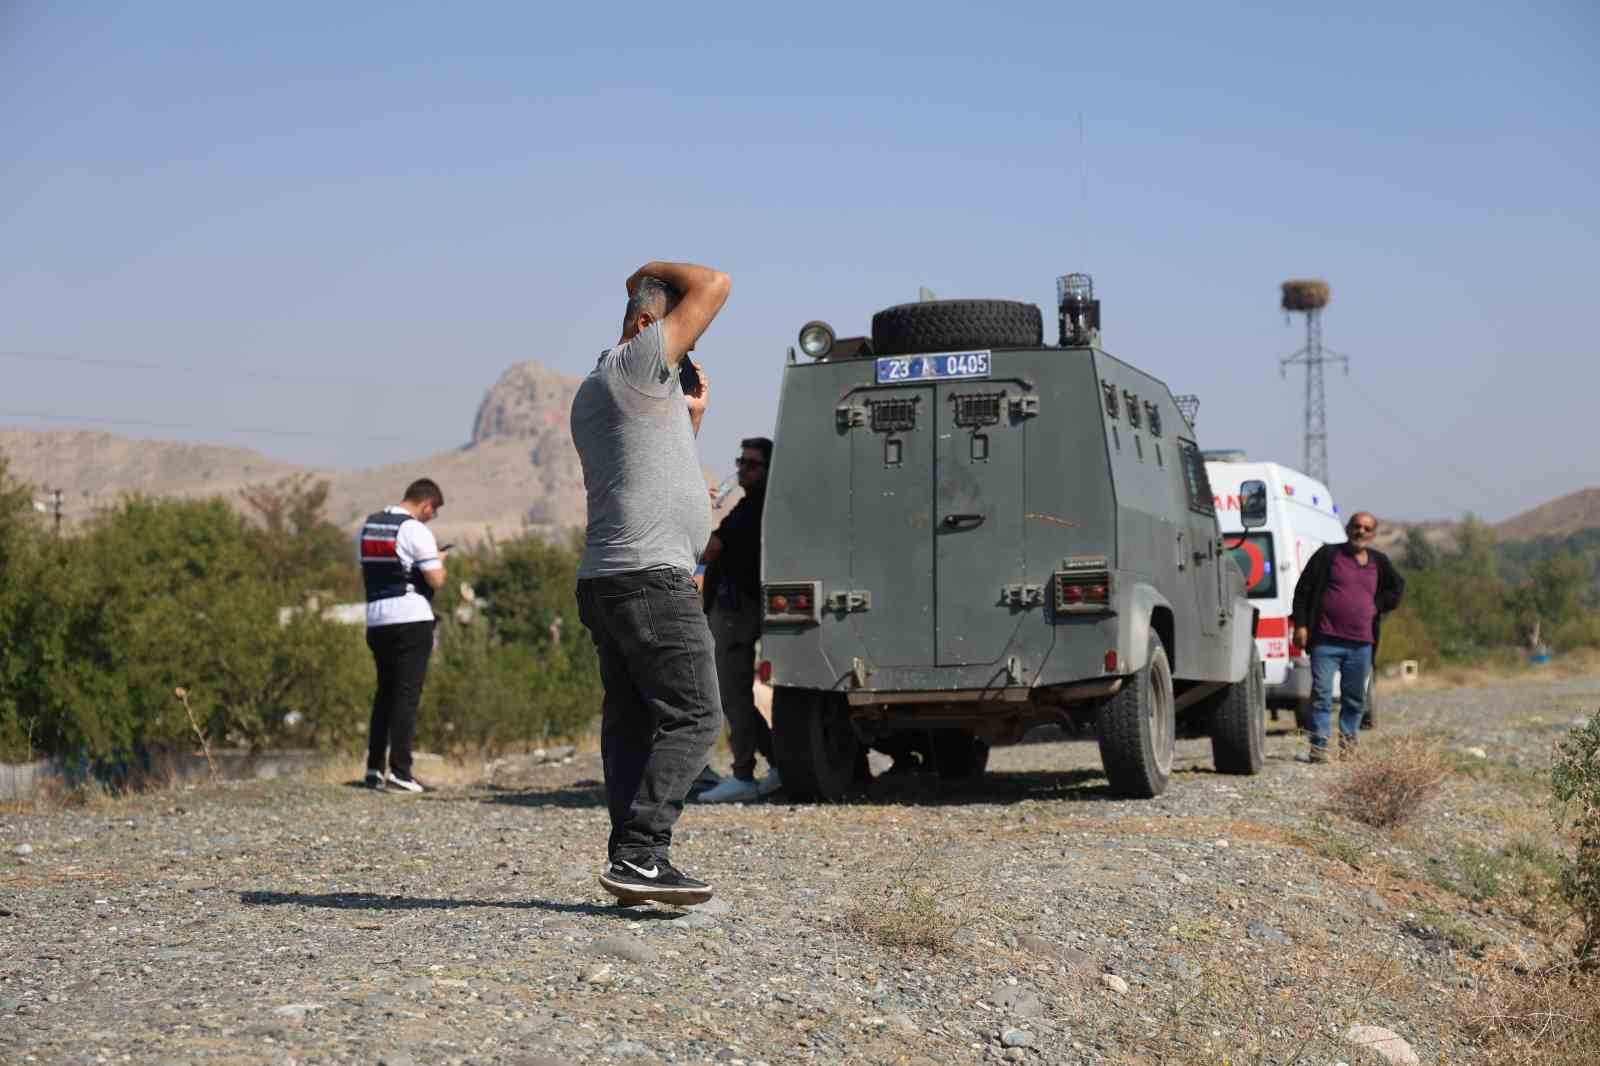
402 567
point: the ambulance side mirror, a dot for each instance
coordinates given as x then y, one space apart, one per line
1253 504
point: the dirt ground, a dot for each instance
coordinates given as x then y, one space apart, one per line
1026 916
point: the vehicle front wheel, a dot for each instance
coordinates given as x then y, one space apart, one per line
1239 722
1138 729
817 751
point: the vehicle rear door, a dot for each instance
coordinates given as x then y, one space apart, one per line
891 521
979 593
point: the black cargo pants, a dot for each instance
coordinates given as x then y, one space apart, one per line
401 653
662 711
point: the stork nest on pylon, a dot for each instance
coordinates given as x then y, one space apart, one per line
1305 294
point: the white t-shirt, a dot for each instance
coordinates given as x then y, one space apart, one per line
417 550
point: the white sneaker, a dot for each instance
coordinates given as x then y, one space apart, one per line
731 790
770 783
404 784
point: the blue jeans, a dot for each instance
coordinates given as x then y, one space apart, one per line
662 711
1352 662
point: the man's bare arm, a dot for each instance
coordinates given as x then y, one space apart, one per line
703 290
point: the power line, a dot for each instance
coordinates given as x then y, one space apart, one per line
1429 446
259 431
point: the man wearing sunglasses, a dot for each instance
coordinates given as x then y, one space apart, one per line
733 601
1339 604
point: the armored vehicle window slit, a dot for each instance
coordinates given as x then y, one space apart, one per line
1110 392
891 451
979 408
1133 409
1152 415
1138 447
980 447
897 414
1195 481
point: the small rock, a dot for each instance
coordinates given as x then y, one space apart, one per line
1258 931
22 849
1017 1038
396 1058
1382 1042
296 1011
1115 983
1015 1054
1476 753
627 1049
713 906
622 947
1375 901
903 1025
1220 843
600 975
695 920
1017 1000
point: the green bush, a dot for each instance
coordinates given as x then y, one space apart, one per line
1575 780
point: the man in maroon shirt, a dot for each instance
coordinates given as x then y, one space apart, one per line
1339 603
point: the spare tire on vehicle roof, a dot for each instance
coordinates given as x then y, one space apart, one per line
956 325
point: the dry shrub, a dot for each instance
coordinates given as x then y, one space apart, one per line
912 914
1549 1016
1386 784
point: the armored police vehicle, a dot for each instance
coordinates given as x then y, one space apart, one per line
969 532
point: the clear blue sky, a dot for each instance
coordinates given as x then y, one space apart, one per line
264 203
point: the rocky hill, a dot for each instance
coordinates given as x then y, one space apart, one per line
1558 518
519 471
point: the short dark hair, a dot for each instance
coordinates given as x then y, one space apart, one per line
425 490
652 295
760 444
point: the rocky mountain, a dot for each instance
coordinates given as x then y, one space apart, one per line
519 471
1558 518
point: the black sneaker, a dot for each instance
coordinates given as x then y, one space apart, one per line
655 879
404 784
374 779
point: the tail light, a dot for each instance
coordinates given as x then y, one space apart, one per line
1082 586
1111 661
792 602
764 671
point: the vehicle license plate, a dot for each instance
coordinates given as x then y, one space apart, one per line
894 369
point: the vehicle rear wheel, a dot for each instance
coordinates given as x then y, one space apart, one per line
1369 716
953 325
1239 722
817 751
1138 730
958 754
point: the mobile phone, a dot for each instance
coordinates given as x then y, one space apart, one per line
688 377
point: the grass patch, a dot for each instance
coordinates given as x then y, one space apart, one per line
1387 784
1549 1016
924 913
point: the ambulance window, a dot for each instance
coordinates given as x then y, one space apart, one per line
1256 560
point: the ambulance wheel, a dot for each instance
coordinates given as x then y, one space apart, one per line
817 751
1138 729
1239 723
1369 718
956 325
958 754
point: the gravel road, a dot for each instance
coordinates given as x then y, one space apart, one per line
311 921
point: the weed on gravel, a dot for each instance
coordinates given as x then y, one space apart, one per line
1387 783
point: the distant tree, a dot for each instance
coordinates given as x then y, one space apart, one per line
1418 552
302 551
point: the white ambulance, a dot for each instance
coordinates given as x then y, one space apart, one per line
1301 517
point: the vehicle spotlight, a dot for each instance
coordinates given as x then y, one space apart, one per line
816 339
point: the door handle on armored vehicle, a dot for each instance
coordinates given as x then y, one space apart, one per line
957 521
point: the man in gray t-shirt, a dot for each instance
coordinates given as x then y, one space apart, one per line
634 421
